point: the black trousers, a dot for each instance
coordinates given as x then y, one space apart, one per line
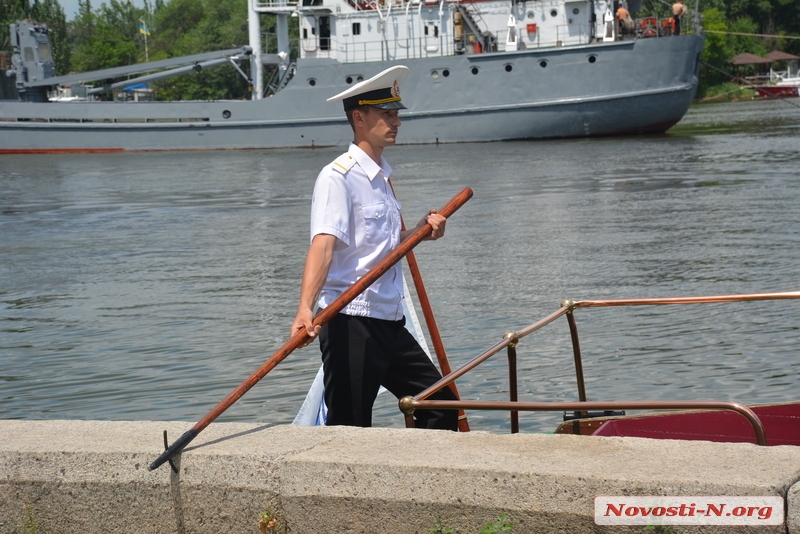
360 354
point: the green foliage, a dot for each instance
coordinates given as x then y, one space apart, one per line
438 528
106 37
29 524
183 27
728 91
10 12
109 36
501 525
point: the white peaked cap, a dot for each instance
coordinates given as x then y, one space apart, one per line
380 91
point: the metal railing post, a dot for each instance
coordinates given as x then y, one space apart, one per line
576 349
512 378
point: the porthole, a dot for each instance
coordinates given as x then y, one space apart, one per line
592 58
543 63
349 80
474 70
531 14
509 67
312 82
446 73
360 79
554 13
576 11
434 74
226 114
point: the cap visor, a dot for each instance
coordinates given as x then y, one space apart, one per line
389 105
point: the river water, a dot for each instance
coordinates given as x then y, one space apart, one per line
148 286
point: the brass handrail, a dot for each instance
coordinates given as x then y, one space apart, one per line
510 340
409 404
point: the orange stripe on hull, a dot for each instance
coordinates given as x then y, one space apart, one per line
59 150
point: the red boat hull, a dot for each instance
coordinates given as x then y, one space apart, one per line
778 91
781 425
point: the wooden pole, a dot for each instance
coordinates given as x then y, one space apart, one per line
301 337
430 321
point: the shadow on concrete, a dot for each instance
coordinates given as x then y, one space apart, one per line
232 436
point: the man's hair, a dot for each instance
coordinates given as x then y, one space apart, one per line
362 109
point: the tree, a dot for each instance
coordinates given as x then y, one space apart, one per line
184 27
10 12
108 37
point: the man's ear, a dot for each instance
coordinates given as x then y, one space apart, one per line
358 116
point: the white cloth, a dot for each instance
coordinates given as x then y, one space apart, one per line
354 203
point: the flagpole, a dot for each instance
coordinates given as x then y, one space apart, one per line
144 30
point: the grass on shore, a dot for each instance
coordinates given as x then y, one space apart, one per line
727 92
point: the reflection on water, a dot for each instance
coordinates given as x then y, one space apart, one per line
147 286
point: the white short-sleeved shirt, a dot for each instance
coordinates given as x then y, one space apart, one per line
353 201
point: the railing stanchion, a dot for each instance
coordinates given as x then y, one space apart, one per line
576 350
512 378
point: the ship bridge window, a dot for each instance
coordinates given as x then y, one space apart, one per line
324 33
356 28
44 52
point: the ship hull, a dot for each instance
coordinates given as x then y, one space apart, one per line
625 87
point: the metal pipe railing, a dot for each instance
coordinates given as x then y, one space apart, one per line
410 404
510 340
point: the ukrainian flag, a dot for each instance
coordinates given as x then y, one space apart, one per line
143 29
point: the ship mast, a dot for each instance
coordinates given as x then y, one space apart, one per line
281 9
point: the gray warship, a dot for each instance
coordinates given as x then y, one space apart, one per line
481 70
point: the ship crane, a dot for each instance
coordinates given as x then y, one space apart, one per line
32 65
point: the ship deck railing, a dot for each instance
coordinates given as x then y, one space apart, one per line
511 340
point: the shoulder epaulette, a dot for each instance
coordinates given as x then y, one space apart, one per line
343 163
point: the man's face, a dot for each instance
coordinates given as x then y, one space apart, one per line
380 126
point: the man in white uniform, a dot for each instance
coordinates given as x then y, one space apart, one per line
355 223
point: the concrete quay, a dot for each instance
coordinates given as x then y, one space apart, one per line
63 477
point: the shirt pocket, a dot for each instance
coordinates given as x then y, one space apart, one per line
376 223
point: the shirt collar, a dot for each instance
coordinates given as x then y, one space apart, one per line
371 169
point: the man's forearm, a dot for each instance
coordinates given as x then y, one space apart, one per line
315 271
